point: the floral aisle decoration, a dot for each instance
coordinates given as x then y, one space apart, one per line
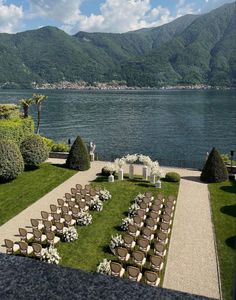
116 241
132 209
96 204
50 255
125 222
84 218
154 170
139 198
104 195
130 159
119 162
70 234
146 161
111 168
104 267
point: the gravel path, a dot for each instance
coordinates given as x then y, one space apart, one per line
191 265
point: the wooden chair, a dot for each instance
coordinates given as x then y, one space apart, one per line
168 211
83 192
69 221
78 187
143 244
87 199
78 197
138 221
38 236
46 216
37 250
11 247
97 190
51 238
139 258
73 192
162 237
25 249
151 224
75 213
151 278
24 235
158 202
170 205
92 193
144 206
82 206
164 227
65 210
87 188
166 219
156 262
148 194
57 218
134 273
48 226
68 196
55 209
36 224
122 253
147 234
171 198
116 269
141 213
60 202
155 216
159 249
60 229
156 208
129 241
147 200
133 230
160 197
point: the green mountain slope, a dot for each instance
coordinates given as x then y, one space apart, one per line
203 53
189 50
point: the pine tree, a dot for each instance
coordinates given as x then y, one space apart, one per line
78 158
214 169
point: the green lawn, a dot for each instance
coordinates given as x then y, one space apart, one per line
92 245
223 204
28 188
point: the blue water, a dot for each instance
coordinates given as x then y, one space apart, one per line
174 127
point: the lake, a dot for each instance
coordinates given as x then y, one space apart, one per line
174 127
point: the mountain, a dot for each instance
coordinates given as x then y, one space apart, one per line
191 49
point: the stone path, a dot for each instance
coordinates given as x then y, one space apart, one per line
191 265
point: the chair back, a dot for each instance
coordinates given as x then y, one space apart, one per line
37 235
71 204
47 225
23 247
121 252
9 245
68 219
60 202
78 187
34 223
44 215
53 208
59 227
133 272
68 196
50 236
148 194
87 187
23 233
115 268
37 249
138 256
65 209
92 193
83 192
73 191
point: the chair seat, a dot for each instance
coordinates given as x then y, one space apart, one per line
29 236
56 240
16 248
30 250
156 283
41 226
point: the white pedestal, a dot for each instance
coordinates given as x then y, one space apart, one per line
110 178
131 171
152 178
91 155
121 174
145 172
158 184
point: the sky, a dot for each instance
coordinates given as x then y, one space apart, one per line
97 15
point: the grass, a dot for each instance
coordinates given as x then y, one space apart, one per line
92 245
28 187
223 204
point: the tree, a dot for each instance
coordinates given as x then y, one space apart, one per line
25 103
214 169
78 158
38 99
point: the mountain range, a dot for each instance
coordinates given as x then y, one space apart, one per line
193 49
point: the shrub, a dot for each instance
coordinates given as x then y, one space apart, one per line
106 173
17 129
50 255
172 177
84 218
125 223
60 147
214 169
104 195
104 267
11 161
78 158
132 209
34 151
8 111
96 204
70 234
116 241
49 143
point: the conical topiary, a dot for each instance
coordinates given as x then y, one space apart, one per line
214 169
78 158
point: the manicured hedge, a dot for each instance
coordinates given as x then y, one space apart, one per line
17 129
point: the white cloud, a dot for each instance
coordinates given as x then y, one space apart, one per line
10 17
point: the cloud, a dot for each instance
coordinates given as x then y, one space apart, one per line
10 17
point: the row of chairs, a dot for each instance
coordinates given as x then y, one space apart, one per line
152 221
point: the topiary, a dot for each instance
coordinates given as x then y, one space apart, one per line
214 169
34 151
11 160
172 177
78 158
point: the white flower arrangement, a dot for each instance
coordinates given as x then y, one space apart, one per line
110 167
125 222
131 158
50 255
104 267
119 162
96 204
145 160
104 195
84 218
70 234
139 198
132 209
116 241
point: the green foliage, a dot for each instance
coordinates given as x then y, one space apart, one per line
226 159
11 161
25 103
172 177
189 50
60 147
16 129
48 142
214 169
34 151
78 158
8 111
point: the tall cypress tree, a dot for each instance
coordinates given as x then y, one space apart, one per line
78 158
214 169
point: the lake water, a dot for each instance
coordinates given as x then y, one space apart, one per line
174 127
